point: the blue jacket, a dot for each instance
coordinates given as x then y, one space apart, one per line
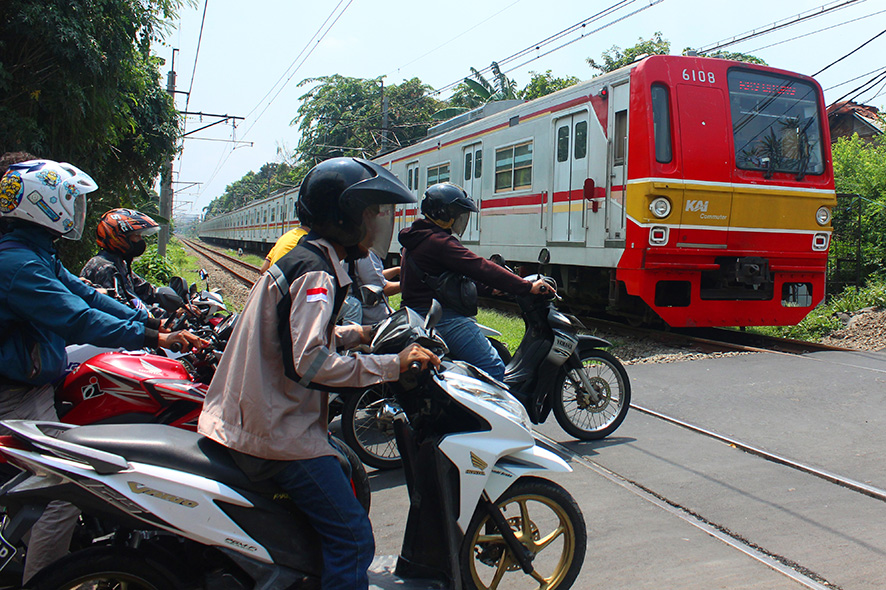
43 307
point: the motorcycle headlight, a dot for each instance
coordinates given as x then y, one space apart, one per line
498 400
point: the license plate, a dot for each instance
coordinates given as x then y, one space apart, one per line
7 552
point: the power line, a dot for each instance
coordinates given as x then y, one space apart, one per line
780 24
196 54
845 22
848 54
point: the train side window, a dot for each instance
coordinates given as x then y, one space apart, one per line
513 167
478 163
563 143
581 140
621 133
661 124
409 179
438 174
273 211
468 157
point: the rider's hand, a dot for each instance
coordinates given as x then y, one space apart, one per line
542 286
183 339
415 353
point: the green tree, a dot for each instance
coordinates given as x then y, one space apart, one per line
615 58
78 83
544 84
342 116
477 91
860 169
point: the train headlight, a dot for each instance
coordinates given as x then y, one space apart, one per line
823 215
660 207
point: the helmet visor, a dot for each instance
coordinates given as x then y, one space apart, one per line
461 223
76 232
379 223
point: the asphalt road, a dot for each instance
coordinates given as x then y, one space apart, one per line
667 507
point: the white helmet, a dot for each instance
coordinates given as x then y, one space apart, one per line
49 194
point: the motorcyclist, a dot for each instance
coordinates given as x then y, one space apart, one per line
43 307
120 235
431 247
268 401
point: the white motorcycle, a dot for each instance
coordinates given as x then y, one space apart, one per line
188 518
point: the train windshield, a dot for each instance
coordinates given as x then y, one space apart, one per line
775 123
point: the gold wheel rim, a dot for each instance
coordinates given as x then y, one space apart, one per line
492 547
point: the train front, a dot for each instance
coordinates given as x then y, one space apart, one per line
730 191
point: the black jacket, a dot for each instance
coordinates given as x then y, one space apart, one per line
435 250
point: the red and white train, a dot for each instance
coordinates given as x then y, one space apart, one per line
699 190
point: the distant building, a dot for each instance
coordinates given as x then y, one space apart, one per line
847 118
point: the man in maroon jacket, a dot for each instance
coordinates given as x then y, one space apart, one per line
433 249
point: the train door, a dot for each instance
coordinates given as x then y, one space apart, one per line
405 217
618 162
705 134
567 205
472 156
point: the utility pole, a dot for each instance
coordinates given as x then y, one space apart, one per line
166 177
384 119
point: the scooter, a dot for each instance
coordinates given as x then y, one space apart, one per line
554 368
479 516
366 424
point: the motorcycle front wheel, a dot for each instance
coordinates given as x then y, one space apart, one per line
546 520
108 568
575 409
368 428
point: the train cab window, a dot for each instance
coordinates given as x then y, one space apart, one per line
478 163
661 124
775 123
468 161
438 174
513 167
563 143
621 135
581 140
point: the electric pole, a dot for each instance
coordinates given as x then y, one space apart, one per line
166 177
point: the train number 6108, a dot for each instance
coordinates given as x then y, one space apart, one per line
699 76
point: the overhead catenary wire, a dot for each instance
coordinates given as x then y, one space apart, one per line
815 32
777 25
850 53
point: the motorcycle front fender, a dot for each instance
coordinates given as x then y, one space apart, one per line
586 342
519 463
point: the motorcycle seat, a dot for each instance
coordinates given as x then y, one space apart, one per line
167 446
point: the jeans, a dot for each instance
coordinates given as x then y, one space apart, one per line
467 343
50 537
324 495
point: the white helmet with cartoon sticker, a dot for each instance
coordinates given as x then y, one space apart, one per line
46 193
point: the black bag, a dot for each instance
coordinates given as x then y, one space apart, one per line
454 291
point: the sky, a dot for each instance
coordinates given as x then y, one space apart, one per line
253 56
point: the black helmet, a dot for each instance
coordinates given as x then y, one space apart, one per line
335 195
448 205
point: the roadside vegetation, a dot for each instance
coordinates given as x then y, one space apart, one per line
825 319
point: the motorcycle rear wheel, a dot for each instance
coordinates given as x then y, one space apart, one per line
105 568
547 520
369 433
576 413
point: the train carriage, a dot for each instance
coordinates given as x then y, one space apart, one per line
692 189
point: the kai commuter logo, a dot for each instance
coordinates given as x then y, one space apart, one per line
696 206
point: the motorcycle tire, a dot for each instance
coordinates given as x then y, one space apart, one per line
105 567
555 534
371 438
359 477
576 413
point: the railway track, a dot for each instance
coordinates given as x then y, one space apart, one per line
243 271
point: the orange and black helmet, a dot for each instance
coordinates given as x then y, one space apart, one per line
117 226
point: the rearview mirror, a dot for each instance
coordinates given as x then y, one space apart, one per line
180 286
434 315
168 299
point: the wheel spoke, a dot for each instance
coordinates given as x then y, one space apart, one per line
549 538
503 563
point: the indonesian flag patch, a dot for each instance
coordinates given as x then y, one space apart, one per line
318 294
